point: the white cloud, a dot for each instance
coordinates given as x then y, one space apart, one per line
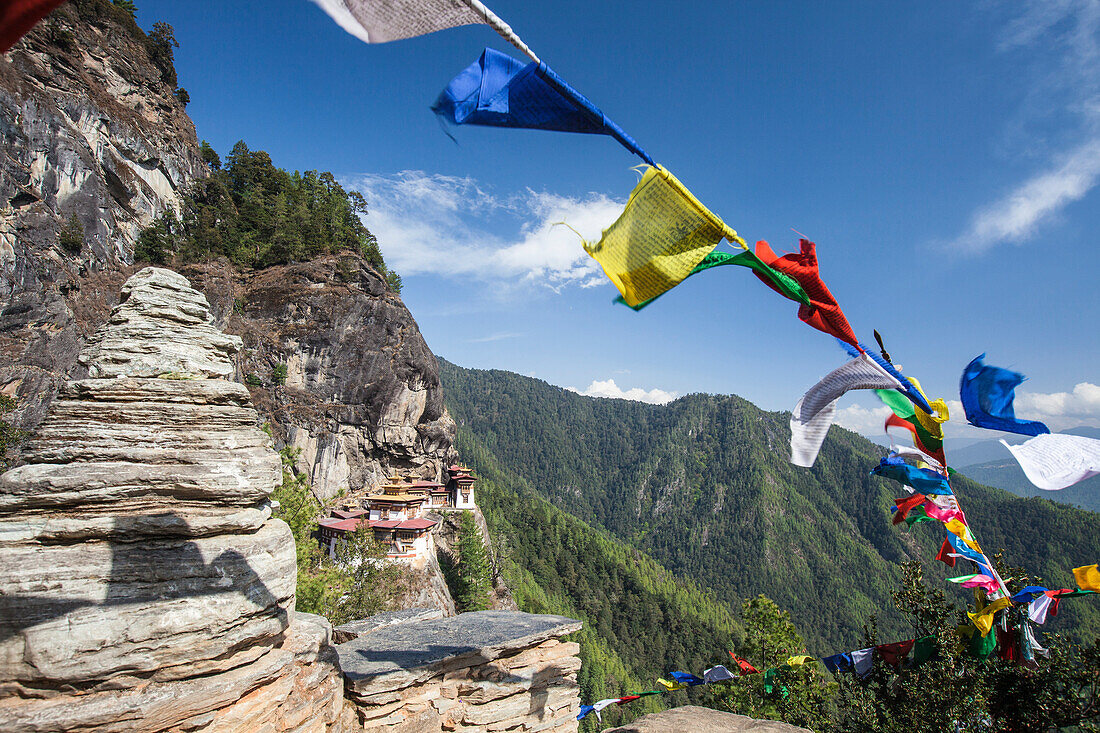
866 421
1062 40
444 225
1061 410
1016 216
608 388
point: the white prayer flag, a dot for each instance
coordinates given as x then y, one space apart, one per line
862 660
717 673
1037 609
1053 461
379 21
814 413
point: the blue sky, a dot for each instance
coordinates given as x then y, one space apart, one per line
944 156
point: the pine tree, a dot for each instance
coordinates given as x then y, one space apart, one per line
473 566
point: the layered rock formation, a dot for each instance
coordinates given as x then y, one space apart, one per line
484 671
88 129
143 583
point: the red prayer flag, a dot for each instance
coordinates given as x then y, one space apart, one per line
892 654
19 16
824 312
744 666
907 505
628 698
944 554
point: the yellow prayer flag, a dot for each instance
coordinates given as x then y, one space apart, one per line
662 234
956 527
670 686
796 661
1088 577
983 619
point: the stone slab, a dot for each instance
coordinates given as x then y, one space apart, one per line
355 629
397 656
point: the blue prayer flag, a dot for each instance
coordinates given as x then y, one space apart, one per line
499 91
922 480
686 678
987 393
972 555
908 388
839 663
585 710
1027 595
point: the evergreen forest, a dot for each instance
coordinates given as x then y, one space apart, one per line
258 215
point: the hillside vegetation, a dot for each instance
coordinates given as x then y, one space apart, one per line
640 621
258 215
703 486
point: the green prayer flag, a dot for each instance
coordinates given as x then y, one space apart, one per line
897 401
923 650
784 283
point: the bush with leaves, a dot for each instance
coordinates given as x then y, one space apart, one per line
9 436
800 695
957 690
71 236
258 215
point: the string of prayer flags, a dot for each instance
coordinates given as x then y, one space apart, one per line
1054 461
839 663
921 479
499 91
662 234
904 415
906 505
743 665
862 660
379 22
1087 577
814 413
916 454
785 285
987 393
823 312
923 650
773 684
894 654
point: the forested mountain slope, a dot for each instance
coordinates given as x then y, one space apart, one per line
640 621
703 485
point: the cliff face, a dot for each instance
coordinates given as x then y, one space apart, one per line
362 396
89 129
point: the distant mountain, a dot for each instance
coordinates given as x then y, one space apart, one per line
703 486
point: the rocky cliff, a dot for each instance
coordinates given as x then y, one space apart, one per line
89 128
